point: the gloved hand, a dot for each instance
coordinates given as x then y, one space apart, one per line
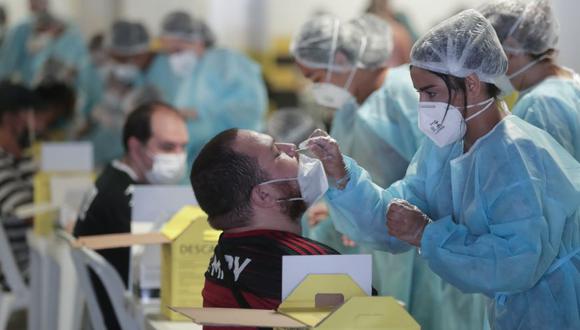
317 213
406 222
326 149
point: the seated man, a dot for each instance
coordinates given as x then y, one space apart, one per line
249 187
154 138
16 169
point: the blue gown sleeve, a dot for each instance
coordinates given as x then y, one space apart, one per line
556 116
361 207
512 256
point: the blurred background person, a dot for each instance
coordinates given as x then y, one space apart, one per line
3 23
375 121
16 169
128 56
403 33
214 87
549 93
154 141
45 47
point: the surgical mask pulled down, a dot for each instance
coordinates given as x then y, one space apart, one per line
167 168
443 122
311 180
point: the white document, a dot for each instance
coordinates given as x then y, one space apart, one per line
68 193
295 268
67 157
158 203
151 207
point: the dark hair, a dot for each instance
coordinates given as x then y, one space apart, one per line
138 123
15 98
457 84
56 95
223 179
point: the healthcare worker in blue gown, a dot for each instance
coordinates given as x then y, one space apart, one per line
215 88
490 201
128 57
375 123
45 48
549 93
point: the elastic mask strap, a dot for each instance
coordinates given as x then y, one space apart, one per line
527 66
277 180
363 46
333 46
489 102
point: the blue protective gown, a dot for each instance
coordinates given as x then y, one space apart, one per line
17 62
225 88
382 135
554 106
506 224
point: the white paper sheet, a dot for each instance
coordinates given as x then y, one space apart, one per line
295 268
157 203
67 156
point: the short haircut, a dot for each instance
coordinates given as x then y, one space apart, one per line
15 98
138 123
223 179
55 94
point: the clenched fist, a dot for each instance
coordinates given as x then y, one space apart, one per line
406 222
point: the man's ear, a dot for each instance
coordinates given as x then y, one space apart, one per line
263 196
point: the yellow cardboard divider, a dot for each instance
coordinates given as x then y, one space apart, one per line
185 261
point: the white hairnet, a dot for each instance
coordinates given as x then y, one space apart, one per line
181 25
128 38
532 26
461 45
325 42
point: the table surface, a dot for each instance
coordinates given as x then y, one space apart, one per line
154 320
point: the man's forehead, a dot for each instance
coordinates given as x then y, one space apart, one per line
252 143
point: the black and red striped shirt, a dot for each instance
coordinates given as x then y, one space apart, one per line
254 260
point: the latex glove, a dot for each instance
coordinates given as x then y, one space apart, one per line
347 241
406 222
326 149
317 213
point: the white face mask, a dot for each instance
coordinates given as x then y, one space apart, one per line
167 169
329 95
527 66
311 180
126 73
443 123
183 62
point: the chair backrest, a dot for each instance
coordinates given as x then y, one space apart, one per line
9 266
85 259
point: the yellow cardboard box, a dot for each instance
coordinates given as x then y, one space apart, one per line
187 245
319 302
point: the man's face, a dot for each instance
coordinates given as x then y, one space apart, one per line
279 161
168 135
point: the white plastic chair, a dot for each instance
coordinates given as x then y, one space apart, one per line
19 295
128 314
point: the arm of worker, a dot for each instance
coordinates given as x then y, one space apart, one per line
517 249
359 205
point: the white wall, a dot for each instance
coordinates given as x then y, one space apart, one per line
244 24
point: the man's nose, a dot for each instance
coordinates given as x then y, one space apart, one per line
287 148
